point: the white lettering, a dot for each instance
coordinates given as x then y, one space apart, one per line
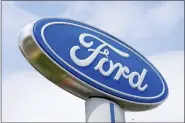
121 70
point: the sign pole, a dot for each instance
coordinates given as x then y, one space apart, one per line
103 110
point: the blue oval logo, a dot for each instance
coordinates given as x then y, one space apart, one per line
100 60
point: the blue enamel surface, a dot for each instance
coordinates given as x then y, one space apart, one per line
62 37
112 114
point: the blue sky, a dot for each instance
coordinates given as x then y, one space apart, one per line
174 40
153 28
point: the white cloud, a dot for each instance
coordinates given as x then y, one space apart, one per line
28 96
171 66
13 20
129 20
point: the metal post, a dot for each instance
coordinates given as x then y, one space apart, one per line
103 110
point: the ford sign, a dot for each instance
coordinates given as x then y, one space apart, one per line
88 62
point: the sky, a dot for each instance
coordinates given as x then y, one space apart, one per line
155 29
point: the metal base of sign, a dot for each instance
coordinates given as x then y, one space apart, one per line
103 110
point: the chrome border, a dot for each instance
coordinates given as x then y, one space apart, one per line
41 61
